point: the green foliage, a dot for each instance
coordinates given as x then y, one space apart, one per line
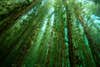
49 33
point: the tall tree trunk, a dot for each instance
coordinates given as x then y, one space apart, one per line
71 48
92 45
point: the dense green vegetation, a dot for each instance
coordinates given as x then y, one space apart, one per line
49 33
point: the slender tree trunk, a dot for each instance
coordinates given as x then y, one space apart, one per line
71 49
90 40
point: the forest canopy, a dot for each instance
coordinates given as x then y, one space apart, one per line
49 33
